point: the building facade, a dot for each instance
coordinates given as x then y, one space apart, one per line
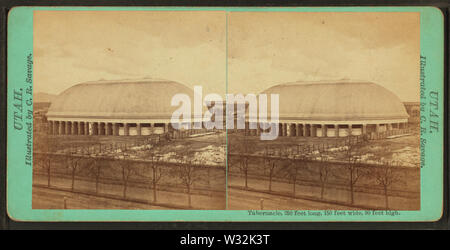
335 109
307 109
115 108
413 109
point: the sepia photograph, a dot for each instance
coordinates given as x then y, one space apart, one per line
216 110
103 84
349 112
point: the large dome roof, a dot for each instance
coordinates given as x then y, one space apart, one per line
337 101
134 99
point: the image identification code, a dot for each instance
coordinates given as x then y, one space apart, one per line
228 239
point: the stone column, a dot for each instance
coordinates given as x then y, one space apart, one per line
377 128
62 128
312 130
336 130
101 128
81 128
115 129
50 127
75 128
364 129
152 128
108 128
285 129
56 127
68 128
304 129
86 128
349 129
92 128
95 128
138 129
324 130
292 129
389 126
126 129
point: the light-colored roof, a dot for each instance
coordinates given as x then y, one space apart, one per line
337 101
145 98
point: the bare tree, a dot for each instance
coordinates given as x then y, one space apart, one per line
241 147
243 166
46 163
324 173
155 155
95 169
46 144
352 154
157 171
385 175
293 173
187 173
269 166
294 167
73 164
127 170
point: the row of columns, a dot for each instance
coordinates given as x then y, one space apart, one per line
285 129
95 128
310 130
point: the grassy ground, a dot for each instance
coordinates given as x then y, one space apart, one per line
404 193
210 150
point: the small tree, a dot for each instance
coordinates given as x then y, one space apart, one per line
324 173
293 173
243 166
187 174
127 170
73 163
352 154
269 167
95 169
157 171
46 164
241 147
155 155
385 175
294 167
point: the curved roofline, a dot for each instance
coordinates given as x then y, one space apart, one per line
346 99
322 82
108 97
128 80
146 80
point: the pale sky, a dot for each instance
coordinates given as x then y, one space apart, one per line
77 46
264 48
268 48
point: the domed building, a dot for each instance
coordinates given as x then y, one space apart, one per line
336 109
125 107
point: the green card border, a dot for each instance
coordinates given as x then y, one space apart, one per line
19 175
